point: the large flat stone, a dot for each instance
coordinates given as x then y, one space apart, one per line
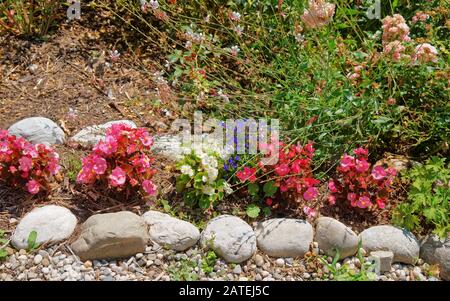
230 237
171 232
38 130
399 241
111 235
283 237
332 234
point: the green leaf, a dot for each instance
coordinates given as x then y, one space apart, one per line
270 189
3 253
253 189
32 240
253 211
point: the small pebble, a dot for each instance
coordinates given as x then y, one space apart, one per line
37 259
279 262
237 269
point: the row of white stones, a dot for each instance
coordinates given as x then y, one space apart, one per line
123 234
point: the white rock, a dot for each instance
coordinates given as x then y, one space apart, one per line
399 241
237 269
171 232
332 234
230 237
38 130
91 135
383 261
51 223
279 262
282 237
37 259
437 251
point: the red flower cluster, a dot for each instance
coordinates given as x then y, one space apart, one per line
123 157
27 165
292 171
360 185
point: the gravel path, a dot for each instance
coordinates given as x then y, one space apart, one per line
157 264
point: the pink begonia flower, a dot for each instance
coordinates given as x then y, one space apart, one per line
146 139
29 150
362 165
53 167
332 200
117 177
310 212
391 171
100 165
282 170
381 203
332 186
361 152
25 164
363 202
3 134
108 147
149 187
84 176
351 197
33 187
12 169
247 174
310 194
347 162
379 173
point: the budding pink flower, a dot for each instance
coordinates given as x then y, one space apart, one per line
318 14
395 29
395 49
425 53
391 101
117 177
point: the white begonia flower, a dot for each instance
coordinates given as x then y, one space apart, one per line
212 174
187 170
227 188
208 190
204 179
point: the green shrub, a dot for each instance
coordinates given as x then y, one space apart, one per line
428 199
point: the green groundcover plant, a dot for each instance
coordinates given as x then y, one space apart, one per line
428 199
